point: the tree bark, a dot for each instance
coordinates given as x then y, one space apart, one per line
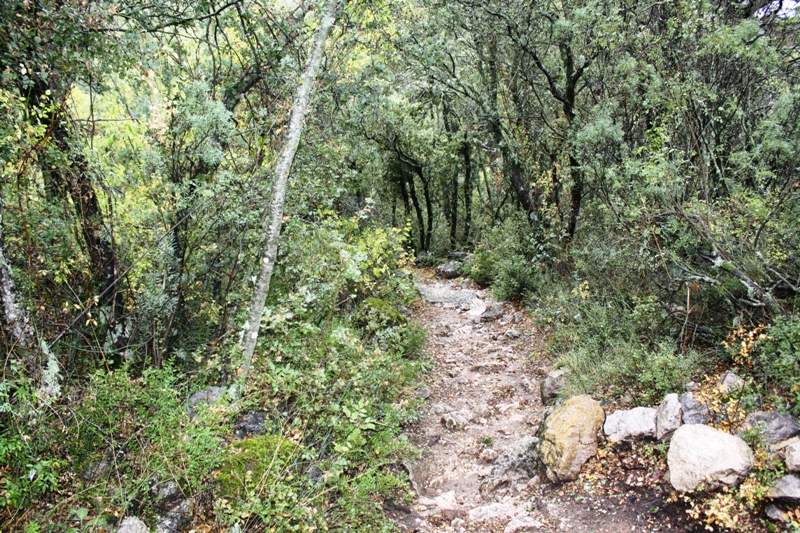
412 191
295 131
465 153
16 316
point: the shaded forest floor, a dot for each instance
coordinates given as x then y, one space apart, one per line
484 385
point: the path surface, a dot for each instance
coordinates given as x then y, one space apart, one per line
482 398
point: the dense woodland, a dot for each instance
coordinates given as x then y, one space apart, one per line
627 170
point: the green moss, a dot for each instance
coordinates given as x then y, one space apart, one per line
253 462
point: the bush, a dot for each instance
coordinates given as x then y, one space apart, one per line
773 354
507 260
601 341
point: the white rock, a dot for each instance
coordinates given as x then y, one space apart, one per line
629 425
522 524
701 455
668 417
132 524
793 457
494 513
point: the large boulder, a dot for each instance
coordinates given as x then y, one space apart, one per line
668 417
772 426
694 411
552 385
630 425
569 437
701 455
449 270
786 488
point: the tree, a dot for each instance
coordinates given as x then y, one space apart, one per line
284 164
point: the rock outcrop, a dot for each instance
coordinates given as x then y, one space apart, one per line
569 438
792 455
701 455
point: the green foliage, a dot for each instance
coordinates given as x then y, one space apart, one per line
27 475
604 344
508 259
261 477
775 358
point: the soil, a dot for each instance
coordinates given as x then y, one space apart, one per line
484 385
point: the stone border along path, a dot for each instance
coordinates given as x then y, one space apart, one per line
478 469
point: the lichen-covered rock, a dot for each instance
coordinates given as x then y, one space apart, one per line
772 425
630 425
694 411
520 456
552 385
668 417
253 423
569 438
701 455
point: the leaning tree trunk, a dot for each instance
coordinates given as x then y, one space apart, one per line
251 327
19 327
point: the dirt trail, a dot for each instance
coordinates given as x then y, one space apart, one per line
482 397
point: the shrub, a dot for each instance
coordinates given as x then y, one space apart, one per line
507 259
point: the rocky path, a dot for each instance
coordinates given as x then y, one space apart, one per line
478 469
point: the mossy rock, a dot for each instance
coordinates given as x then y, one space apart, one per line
375 314
254 461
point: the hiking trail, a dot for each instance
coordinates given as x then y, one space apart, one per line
482 410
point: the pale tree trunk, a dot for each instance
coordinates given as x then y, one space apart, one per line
16 317
251 327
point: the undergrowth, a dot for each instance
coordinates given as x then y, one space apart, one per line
334 362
